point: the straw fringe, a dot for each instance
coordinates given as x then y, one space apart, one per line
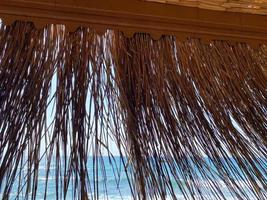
165 103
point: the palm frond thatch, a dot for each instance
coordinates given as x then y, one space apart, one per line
165 103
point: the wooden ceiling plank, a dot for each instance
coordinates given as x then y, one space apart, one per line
132 16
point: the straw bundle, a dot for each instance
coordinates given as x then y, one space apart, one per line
165 103
246 6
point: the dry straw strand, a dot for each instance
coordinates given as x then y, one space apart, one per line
165 104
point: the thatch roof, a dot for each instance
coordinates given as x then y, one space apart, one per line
198 89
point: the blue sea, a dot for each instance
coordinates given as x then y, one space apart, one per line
117 186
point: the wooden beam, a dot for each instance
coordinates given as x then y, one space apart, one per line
244 6
132 16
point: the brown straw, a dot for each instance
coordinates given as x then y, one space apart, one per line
166 104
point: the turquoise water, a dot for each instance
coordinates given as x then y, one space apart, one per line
117 186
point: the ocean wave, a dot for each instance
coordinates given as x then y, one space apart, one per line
114 185
117 197
113 182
